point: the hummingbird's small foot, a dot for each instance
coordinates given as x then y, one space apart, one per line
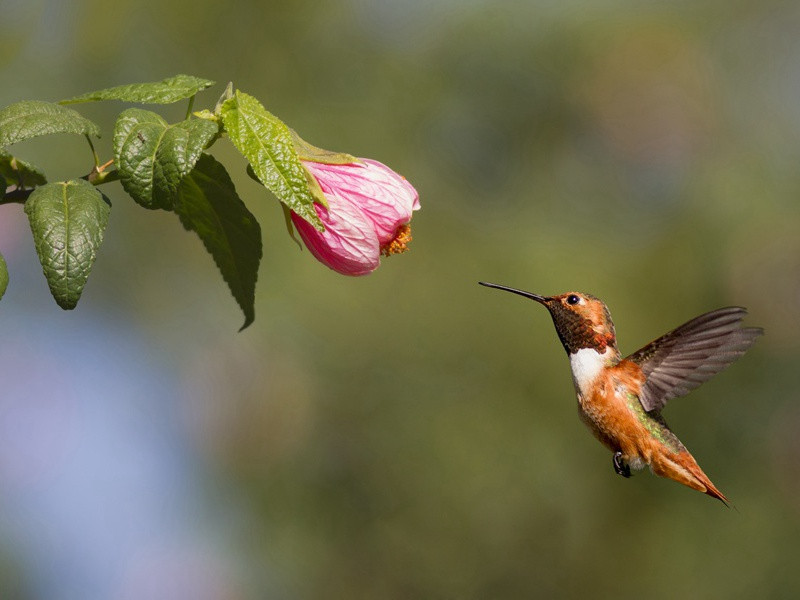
620 466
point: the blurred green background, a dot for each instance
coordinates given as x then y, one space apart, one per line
411 434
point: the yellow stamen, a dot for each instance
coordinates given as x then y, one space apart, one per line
400 242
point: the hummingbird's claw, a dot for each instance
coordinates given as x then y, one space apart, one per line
620 466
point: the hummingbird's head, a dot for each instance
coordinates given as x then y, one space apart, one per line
581 320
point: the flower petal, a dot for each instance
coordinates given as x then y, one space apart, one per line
348 245
385 197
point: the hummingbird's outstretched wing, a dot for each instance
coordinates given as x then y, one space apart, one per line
682 359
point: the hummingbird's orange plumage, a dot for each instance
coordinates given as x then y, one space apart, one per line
622 430
620 399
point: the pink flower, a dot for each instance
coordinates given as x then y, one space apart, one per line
369 208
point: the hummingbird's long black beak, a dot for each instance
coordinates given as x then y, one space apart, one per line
531 295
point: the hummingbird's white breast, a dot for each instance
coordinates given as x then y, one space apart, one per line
586 364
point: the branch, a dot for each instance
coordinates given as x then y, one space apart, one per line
16 196
98 175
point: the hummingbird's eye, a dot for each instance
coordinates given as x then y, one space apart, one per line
573 299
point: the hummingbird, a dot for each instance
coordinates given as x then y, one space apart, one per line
620 399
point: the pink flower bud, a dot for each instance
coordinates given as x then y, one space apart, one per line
369 208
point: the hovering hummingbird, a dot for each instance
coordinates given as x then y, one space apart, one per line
620 399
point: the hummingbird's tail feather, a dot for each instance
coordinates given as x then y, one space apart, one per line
683 468
712 491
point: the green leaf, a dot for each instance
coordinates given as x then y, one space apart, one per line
18 172
32 118
207 204
307 151
152 156
165 91
3 276
266 142
67 219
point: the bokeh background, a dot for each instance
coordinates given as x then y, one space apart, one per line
411 434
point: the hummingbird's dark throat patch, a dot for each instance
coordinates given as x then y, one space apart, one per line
576 332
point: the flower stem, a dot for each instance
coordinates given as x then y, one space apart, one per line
94 152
